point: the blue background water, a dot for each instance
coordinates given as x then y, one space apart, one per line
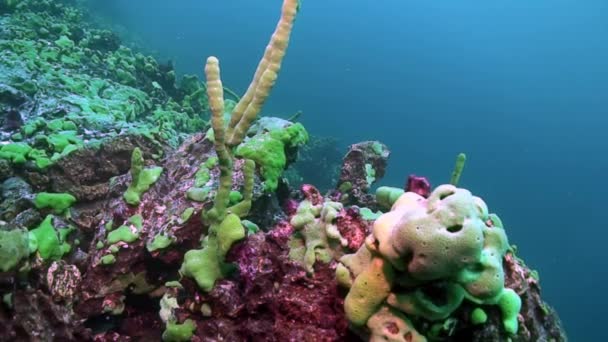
520 86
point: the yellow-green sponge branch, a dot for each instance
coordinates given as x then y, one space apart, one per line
141 178
215 93
265 76
460 160
242 208
206 265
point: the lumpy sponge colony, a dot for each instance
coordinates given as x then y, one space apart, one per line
422 260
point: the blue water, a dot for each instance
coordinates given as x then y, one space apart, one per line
520 86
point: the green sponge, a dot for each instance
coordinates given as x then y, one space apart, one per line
15 152
49 242
175 332
59 202
268 151
13 248
510 304
386 196
142 178
478 316
460 160
368 291
207 265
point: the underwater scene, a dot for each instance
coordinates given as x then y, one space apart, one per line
302 170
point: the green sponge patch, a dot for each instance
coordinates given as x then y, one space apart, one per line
368 292
122 233
15 152
48 241
59 202
386 196
65 43
185 216
108 259
159 242
137 221
207 265
203 265
510 304
268 151
198 194
478 316
13 248
142 178
62 140
175 332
